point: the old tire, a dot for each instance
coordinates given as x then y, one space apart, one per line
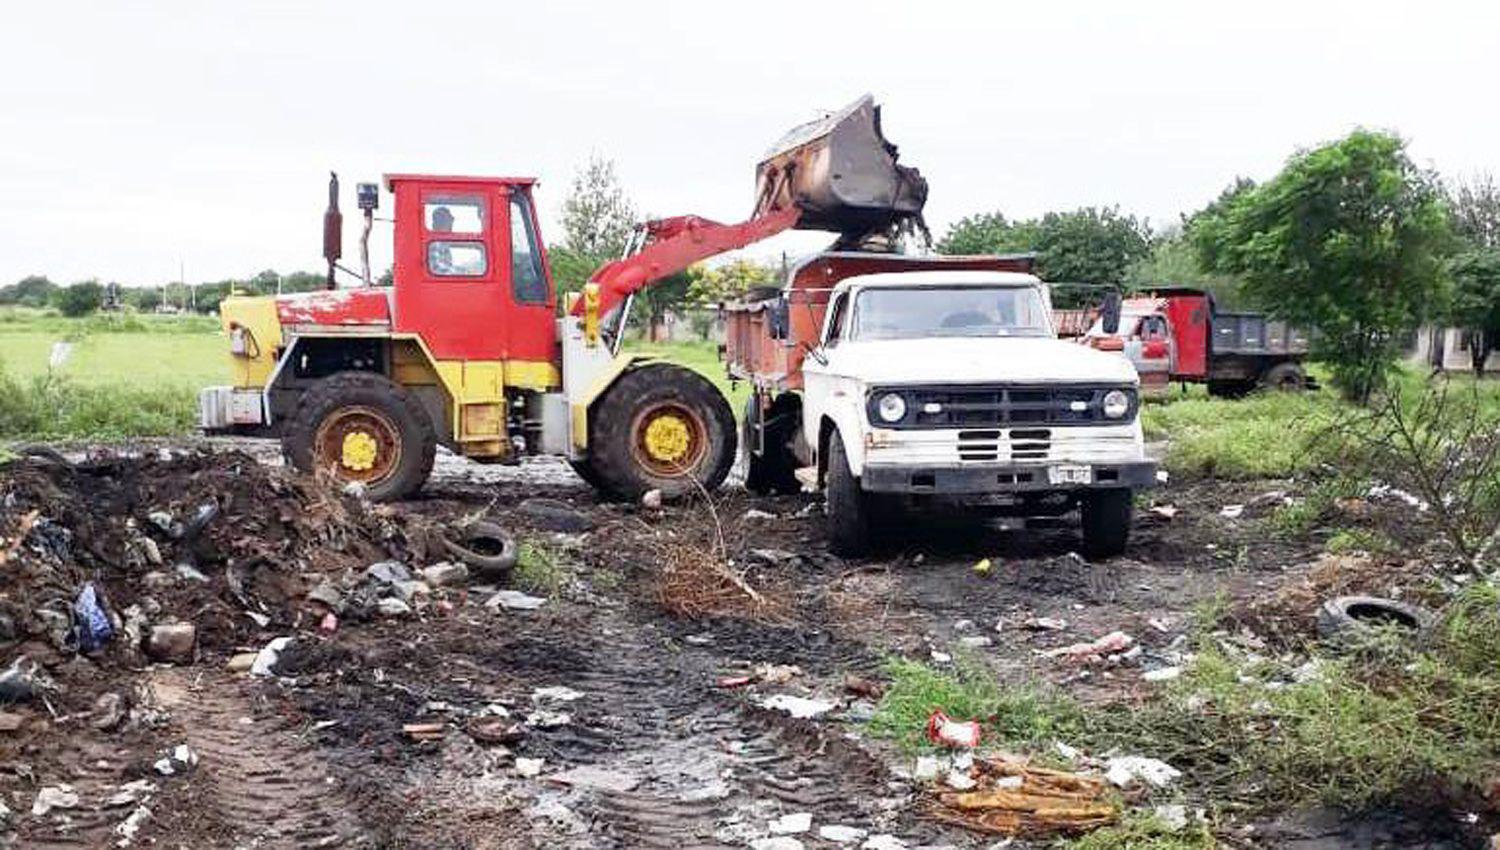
775 470
484 546
1345 619
1106 522
847 505
661 427
1285 377
364 428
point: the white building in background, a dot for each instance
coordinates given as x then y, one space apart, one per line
1448 348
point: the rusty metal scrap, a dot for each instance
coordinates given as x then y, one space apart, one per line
1014 798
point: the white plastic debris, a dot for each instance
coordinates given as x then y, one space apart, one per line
132 823
1162 476
778 842
792 824
1162 674
927 768
757 513
529 767
840 834
941 657
1125 770
959 780
515 600
182 759
556 693
1173 816
265 660
884 841
801 708
1232 511
548 719
974 641
1066 751
54 797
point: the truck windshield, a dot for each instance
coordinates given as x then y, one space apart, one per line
928 311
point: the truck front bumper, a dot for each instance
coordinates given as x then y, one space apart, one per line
979 479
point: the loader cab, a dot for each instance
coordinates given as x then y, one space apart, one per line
471 275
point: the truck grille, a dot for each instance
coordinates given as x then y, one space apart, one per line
984 445
998 406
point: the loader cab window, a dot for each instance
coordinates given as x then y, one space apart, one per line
528 282
460 216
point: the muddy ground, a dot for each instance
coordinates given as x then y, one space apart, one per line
420 728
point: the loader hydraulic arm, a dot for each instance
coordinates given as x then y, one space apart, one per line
673 244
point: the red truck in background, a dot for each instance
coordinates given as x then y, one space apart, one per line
1179 334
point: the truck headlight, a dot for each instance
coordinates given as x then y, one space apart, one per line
891 407
1116 404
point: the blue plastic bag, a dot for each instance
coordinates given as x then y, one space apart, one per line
90 621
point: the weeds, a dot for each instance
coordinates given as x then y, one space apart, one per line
52 406
1145 831
1018 716
540 568
1262 436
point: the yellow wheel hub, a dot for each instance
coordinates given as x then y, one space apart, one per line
360 451
668 438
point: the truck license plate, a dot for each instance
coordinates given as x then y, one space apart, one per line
1071 474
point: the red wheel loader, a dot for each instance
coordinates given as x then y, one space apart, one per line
467 349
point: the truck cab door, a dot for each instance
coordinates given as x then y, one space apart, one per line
450 268
532 332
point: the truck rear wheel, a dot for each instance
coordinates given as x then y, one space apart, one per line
661 427
1286 377
1106 522
363 428
775 469
848 506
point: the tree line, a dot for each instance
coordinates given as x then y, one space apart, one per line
88 296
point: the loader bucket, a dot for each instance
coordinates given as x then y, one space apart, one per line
842 173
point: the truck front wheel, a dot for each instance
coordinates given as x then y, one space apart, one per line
363 428
848 506
1285 377
661 427
1106 522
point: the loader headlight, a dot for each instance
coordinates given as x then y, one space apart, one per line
891 407
1116 404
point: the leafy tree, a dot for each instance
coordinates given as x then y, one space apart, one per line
989 233
597 216
1090 245
570 269
1347 240
714 284
1174 262
1476 301
79 299
31 291
1474 206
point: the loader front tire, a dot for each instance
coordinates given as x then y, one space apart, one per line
661 427
363 428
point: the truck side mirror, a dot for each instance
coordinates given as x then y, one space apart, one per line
1109 312
778 318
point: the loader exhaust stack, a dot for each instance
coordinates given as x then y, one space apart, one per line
842 174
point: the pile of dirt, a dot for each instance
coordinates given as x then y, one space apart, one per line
215 540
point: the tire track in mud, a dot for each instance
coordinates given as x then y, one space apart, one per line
265 786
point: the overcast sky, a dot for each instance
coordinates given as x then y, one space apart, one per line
137 136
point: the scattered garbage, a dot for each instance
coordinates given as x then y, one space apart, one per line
773 557
127 828
492 729
529 767
91 624
1232 511
388 572
974 641
757 513
792 824
861 686
840 834
777 674
172 642
54 797
18 682
1016 799
265 660
942 729
1124 771
484 547
10 721
424 731
393 607
1162 674
109 711
651 500
884 841
515 600
1347 618
1174 816
556 693
1043 624
776 842
801 708
1164 511
1110 644
445 574
544 719
180 760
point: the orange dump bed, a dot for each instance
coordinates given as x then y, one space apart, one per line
773 361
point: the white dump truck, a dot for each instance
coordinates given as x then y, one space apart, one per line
904 380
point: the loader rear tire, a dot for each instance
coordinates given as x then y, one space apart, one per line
661 427
363 427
